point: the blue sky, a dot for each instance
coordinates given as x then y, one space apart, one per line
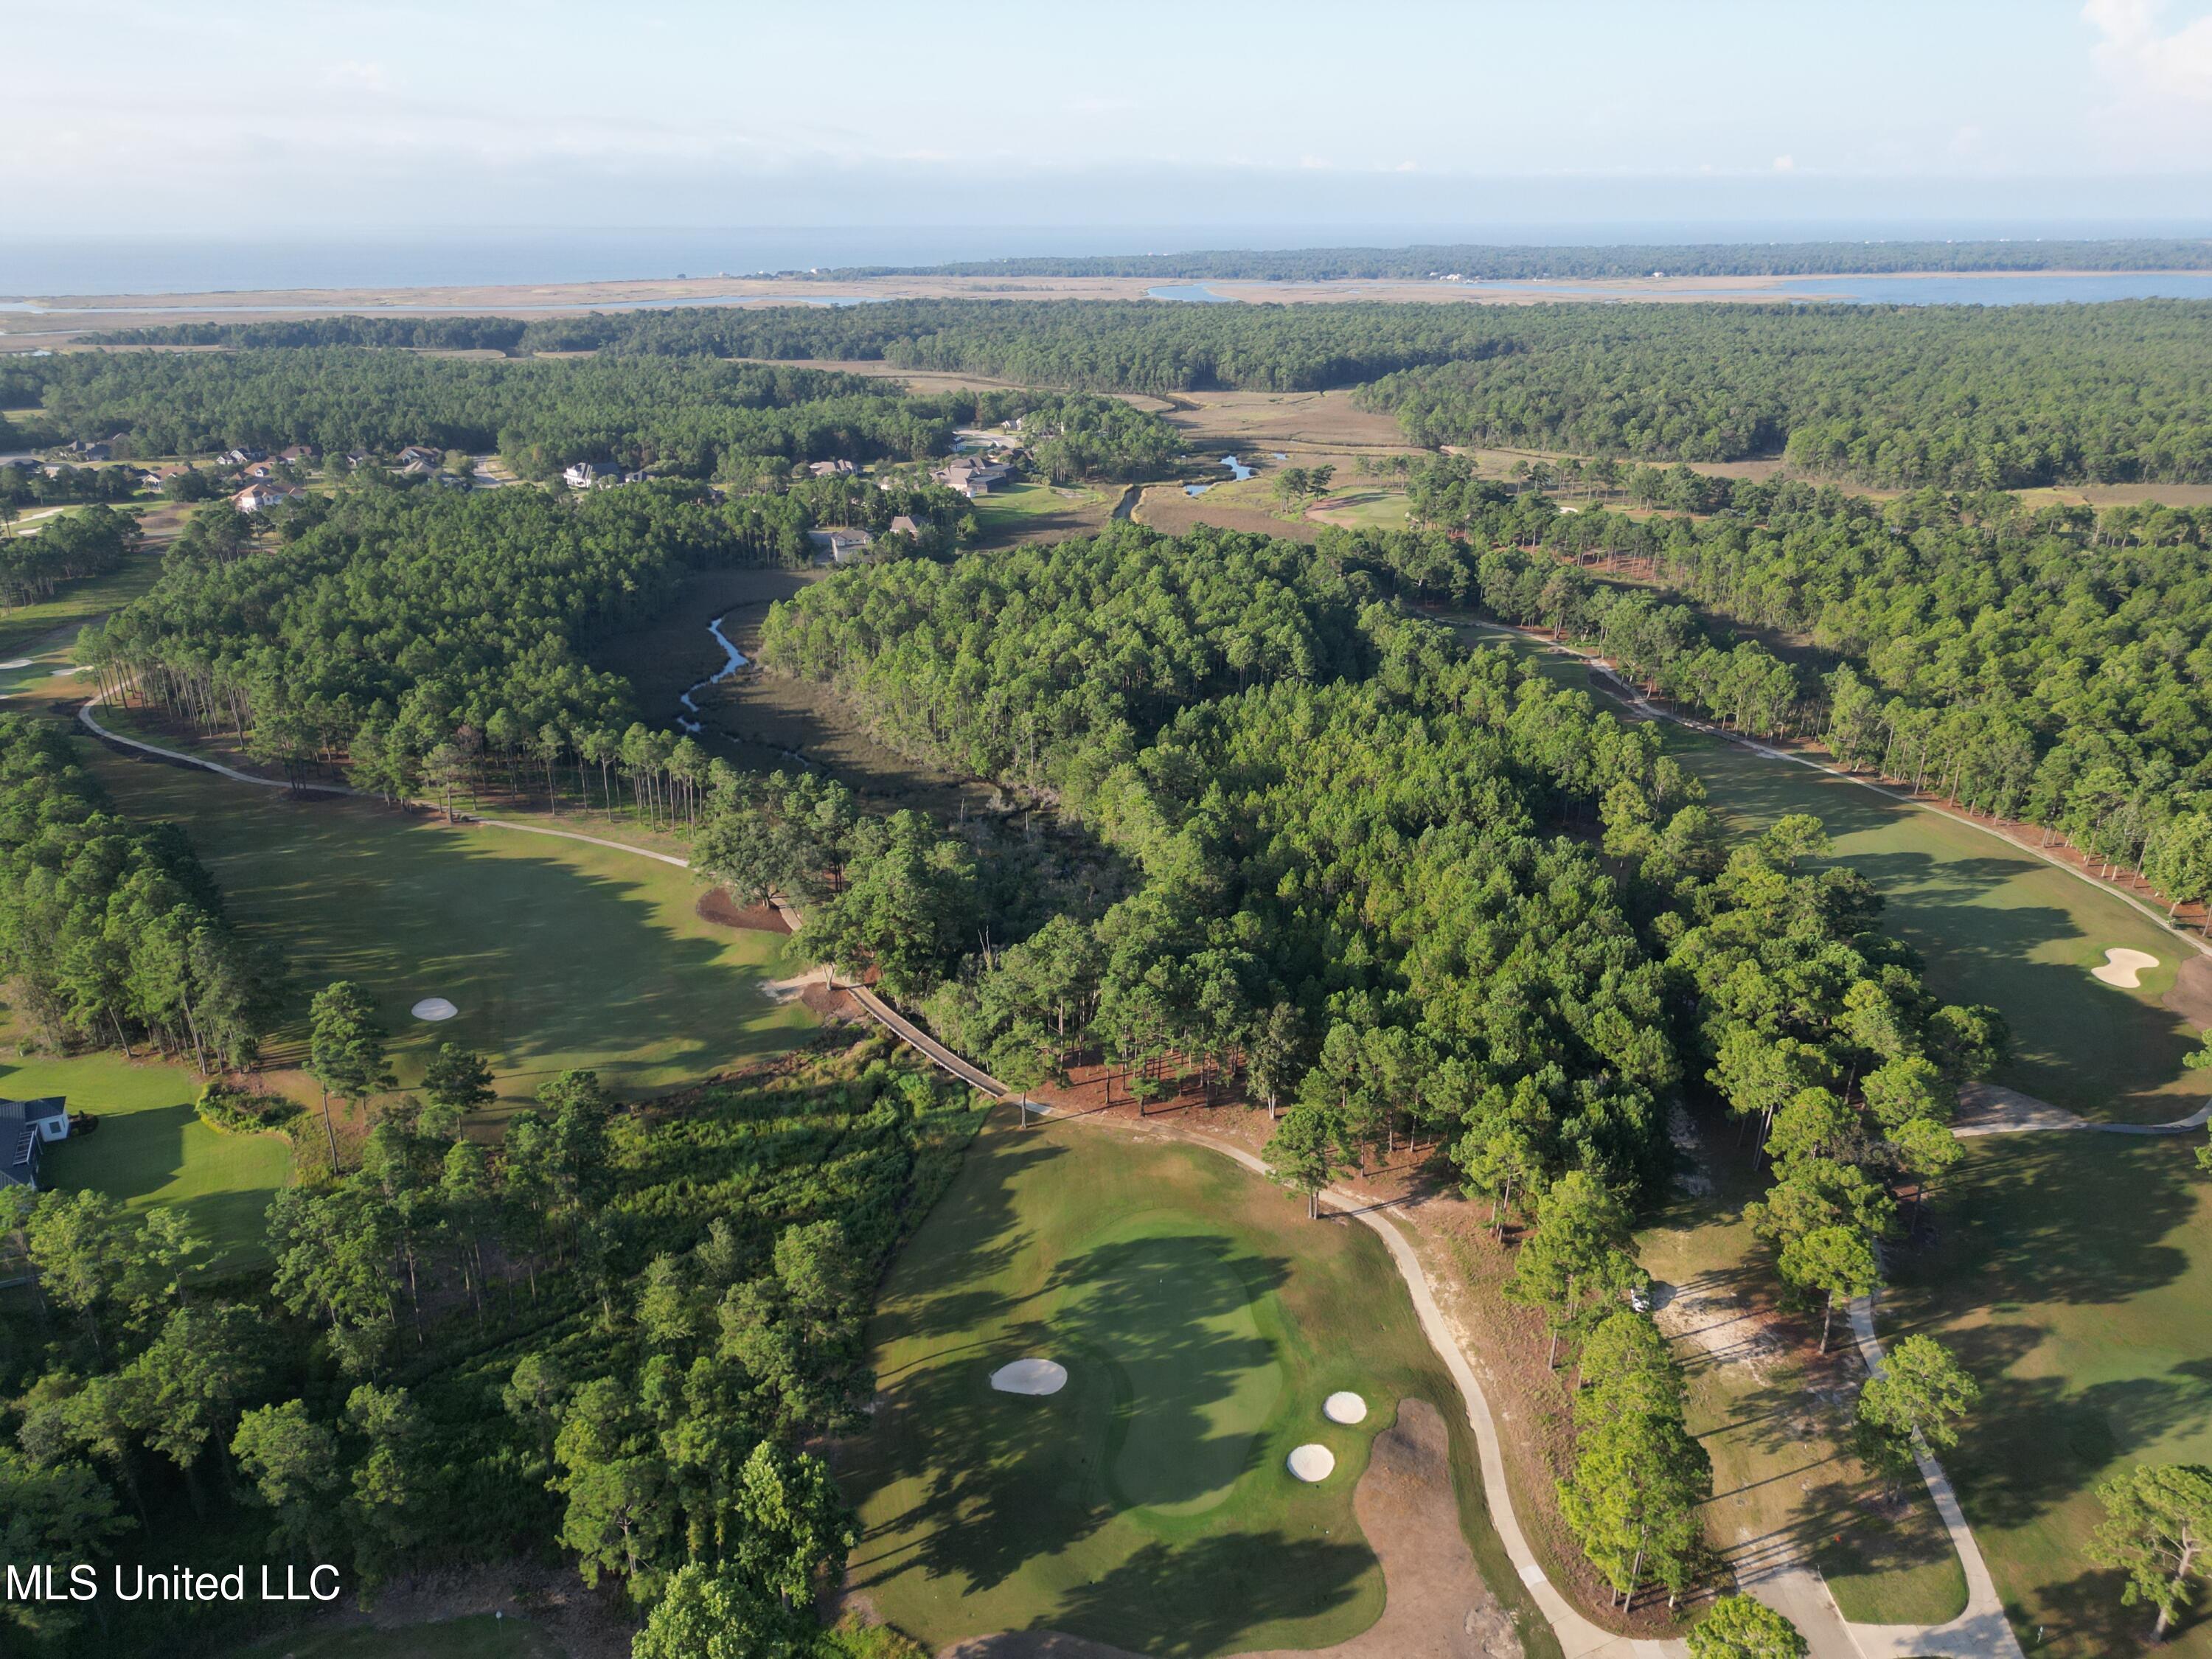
325 116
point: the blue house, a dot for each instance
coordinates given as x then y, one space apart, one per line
26 1127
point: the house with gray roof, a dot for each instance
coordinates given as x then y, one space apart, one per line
26 1128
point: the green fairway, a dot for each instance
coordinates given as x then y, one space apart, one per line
1202 1320
151 1150
54 622
557 953
1775 1418
1996 925
2074 1277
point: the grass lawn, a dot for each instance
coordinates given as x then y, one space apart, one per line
557 954
1202 1320
151 1150
482 1636
1998 925
51 628
2073 1278
1775 1417
1365 507
1033 512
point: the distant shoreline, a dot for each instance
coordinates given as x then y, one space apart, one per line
31 320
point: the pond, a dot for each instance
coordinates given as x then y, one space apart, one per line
1198 293
1237 471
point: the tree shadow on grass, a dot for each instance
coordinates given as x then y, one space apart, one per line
552 962
1002 1480
945 1285
2078 1218
1209 1596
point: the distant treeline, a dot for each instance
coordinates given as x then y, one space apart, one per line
682 414
1962 397
1483 261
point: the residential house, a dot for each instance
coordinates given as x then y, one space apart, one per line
596 475
26 1128
842 544
840 468
969 478
903 525
260 497
242 457
300 454
420 452
91 452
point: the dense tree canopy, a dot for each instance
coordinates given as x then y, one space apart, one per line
609 1334
2048 665
112 931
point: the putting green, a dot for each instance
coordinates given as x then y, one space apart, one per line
1203 1321
1172 1314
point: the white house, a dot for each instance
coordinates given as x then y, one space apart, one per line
26 1127
260 497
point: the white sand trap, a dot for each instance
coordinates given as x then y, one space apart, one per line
1345 1408
2123 967
17 662
1313 1464
1031 1376
435 1008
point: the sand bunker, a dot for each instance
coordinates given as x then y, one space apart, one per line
2123 967
1312 1463
1344 1407
1029 1376
16 662
435 1008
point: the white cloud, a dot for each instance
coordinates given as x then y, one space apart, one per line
2141 59
1785 164
359 77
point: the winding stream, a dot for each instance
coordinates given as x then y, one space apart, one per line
737 659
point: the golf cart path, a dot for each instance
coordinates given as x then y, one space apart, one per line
1623 691
1990 1109
1578 1637
1982 1631
1796 1592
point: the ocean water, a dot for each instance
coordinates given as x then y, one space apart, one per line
31 265
151 266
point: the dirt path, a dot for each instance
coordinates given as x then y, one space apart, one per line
1436 1606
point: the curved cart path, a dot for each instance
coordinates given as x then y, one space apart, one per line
1981 1633
1621 690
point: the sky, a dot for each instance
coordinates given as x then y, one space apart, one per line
316 116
